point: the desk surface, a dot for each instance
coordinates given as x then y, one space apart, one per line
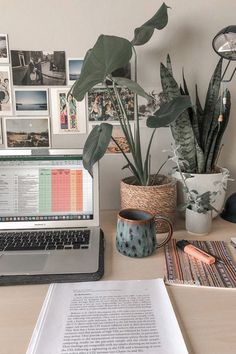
206 316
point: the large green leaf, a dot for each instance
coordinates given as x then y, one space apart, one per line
108 54
194 122
212 136
210 150
168 64
223 126
199 115
211 100
96 145
181 127
132 85
169 85
143 33
186 91
200 159
168 112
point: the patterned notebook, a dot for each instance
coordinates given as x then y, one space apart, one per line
184 269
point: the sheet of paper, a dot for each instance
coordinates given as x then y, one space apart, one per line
108 317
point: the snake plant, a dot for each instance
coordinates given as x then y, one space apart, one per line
109 54
199 130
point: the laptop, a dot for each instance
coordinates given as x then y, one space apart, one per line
49 218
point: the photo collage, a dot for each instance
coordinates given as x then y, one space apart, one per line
35 99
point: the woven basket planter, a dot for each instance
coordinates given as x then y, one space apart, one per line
160 198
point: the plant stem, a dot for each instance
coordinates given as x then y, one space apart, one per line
138 152
126 121
132 167
121 114
157 173
129 136
120 117
146 162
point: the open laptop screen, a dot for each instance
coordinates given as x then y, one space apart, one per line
45 191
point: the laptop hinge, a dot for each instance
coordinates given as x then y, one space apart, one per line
40 152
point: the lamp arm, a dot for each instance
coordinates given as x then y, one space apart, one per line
225 70
232 75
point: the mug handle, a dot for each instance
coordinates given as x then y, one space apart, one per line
170 231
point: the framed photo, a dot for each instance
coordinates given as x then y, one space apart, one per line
68 115
100 105
74 66
5 92
4 51
27 132
31 101
118 135
38 68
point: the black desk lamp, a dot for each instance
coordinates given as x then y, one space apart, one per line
224 44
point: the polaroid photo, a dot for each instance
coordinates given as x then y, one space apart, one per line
68 115
74 66
4 50
27 132
100 104
118 135
39 68
5 92
146 107
31 101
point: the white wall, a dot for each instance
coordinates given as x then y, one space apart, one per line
74 25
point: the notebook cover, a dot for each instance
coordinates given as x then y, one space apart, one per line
184 269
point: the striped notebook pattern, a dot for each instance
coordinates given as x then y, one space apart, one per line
184 269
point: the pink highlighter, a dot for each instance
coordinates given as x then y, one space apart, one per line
196 252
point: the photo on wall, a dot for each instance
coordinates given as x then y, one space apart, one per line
27 132
4 51
68 115
5 92
147 108
118 135
31 102
74 66
38 68
101 108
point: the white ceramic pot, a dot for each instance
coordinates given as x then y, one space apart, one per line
198 223
202 183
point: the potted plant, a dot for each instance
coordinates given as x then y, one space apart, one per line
198 132
198 212
198 207
109 54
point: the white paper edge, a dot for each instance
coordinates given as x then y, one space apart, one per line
40 321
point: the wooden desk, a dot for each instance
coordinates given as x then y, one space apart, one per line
206 316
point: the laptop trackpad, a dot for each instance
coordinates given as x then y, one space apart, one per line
22 263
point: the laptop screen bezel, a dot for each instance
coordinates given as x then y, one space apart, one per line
55 223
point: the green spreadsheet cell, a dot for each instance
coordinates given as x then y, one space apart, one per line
45 201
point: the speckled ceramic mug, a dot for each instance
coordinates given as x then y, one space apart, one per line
136 232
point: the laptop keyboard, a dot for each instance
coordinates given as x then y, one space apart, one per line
44 240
